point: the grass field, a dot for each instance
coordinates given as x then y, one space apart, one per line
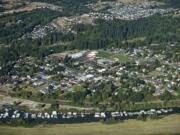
169 125
104 54
107 55
122 58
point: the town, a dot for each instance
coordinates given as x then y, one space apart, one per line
89 67
72 72
116 11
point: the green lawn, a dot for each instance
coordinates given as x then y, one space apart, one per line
121 58
104 54
107 55
133 40
169 125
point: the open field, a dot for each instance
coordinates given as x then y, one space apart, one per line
8 100
169 125
31 6
130 1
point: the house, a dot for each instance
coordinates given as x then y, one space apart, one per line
77 55
38 83
101 70
92 55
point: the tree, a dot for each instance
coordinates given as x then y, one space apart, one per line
166 96
78 94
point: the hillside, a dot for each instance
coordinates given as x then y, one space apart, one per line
103 55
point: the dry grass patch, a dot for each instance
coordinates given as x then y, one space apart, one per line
167 125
